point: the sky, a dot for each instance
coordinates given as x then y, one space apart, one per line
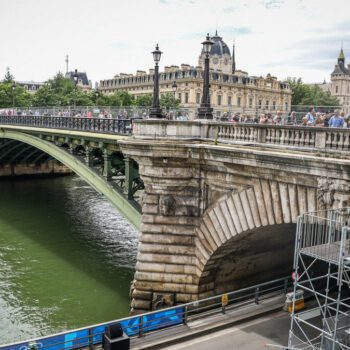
286 38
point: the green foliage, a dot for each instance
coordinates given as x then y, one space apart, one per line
169 101
121 99
8 78
144 100
61 91
304 95
20 96
58 91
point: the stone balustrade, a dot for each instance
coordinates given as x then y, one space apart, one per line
284 135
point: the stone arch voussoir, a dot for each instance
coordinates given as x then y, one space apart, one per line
254 208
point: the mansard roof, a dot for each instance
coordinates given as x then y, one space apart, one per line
341 69
219 47
82 76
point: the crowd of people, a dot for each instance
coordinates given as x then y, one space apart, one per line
334 119
76 113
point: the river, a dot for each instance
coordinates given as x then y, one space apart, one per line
67 257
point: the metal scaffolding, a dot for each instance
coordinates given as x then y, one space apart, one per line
322 272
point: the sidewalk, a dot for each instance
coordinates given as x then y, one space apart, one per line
244 315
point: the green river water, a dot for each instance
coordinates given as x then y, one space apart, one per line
66 257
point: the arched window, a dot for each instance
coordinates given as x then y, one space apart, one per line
219 99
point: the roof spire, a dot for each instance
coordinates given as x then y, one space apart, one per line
67 61
341 57
233 58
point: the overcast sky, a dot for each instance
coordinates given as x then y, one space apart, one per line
300 38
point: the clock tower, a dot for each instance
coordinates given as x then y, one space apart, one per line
220 59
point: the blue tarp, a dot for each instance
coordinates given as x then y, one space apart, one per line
78 339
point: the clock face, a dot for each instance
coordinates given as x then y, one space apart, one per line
215 60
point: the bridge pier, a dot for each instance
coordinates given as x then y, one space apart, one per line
130 176
88 156
107 165
166 260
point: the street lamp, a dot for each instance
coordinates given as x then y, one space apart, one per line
14 86
156 111
75 79
205 111
174 86
96 95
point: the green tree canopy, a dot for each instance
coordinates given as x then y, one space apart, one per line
121 99
144 100
8 78
304 95
169 101
19 97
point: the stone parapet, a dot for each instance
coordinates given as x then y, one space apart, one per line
308 138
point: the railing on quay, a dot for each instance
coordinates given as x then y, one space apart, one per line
136 326
102 125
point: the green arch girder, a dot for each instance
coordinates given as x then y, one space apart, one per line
87 174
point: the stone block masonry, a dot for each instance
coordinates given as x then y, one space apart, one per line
50 167
221 217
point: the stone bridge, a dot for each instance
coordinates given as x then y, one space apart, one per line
220 201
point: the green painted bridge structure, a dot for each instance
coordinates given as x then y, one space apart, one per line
91 151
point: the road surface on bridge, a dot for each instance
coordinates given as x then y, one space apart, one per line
253 335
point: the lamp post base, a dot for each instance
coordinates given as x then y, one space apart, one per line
205 113
156 113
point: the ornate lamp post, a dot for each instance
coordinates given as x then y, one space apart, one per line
156 111
76 79
14 86
174 86
205 111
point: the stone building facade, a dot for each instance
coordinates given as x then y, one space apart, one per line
231 89
340 82
30 86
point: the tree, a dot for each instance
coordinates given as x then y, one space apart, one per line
61 91
144 100
98 98
8 96
8 78
306 95
169 101
121 99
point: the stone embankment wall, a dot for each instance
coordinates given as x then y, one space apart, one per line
50 167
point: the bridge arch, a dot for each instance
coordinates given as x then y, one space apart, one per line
89 175
247 235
